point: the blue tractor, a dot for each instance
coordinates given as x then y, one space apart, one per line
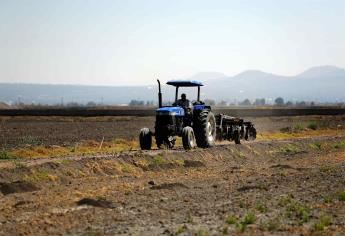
195 123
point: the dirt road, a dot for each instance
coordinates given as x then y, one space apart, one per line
261 188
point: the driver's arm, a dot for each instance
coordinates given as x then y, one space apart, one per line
188 103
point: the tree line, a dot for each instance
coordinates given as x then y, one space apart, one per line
279 101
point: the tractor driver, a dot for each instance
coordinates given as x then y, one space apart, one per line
183 102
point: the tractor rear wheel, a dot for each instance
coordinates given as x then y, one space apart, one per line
145 138
237 137
252 133
188 138
205 129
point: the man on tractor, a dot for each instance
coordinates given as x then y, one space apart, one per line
183 102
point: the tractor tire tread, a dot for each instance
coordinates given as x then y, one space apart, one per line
145 139
200 129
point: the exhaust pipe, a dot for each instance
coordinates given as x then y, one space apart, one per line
159 94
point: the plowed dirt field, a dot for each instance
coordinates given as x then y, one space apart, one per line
293 186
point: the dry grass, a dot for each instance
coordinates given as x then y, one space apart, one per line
41 175
85 148
88 147
120 145
302 134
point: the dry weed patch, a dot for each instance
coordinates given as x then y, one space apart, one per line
40 175
86 147
305 133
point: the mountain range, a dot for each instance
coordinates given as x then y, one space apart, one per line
319 84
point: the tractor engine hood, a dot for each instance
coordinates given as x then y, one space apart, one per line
172 111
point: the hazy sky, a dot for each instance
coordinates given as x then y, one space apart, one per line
133 42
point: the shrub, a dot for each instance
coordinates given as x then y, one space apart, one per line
40 175
225 230
284 201
312 125
273 225
298 128
323 222
202 233
242 205
289 149
6 155
158 160
327 199
35 141
231 220
242 227
339 145
298 210
327 168
249 218
285 130
316 145
181 230
342 196
261 207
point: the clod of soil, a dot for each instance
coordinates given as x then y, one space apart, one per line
151 182
163 166
191 163
250 187
280 166
170 186
20 203
17 187
96 203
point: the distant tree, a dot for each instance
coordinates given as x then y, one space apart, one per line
73 104
245 102
259 102
167 103
222 103
289 103
149 103
136 103
210 102
91 104
279 101
301 103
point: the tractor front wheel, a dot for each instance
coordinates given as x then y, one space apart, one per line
145 139
188 138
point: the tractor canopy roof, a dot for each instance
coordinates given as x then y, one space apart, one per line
185 83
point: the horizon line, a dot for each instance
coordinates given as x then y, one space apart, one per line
149 85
